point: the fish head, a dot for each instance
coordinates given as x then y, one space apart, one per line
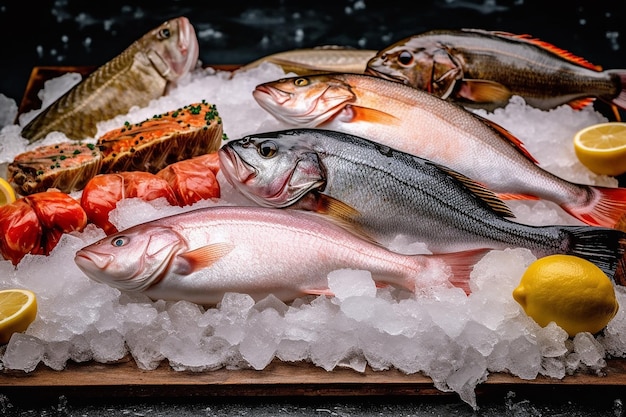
304 101
272 170
421 63
173 48
131 260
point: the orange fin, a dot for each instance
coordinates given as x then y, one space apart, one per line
352 113
484 91
607 208
581 103
203 257
318 291
508 196
461 265
518 144
551 48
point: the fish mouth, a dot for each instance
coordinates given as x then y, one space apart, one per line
187 47
375 73
277 95
90 262
235 168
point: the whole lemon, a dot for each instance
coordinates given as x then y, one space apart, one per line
571 291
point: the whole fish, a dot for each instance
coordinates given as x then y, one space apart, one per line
386 193
326 58
202 254
421 124
139 74
480 68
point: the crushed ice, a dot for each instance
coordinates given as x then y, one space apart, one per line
456 340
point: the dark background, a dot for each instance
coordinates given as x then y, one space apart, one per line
90 33
77 33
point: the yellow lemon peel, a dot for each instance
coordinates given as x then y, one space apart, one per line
18 309
7 193
568 290
602 148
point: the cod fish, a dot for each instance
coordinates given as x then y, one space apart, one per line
320 59
385 193
202 254
421 124
139 74
483 69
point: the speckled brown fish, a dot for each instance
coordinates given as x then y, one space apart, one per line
139 74
483 69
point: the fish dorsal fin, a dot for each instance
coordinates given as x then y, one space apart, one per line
484 91
486 195
202 257
513 140
549 47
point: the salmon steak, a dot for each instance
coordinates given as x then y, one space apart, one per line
151 145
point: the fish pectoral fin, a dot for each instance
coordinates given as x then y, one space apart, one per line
581 103
202 257
351 113
343 215
484 91
318 291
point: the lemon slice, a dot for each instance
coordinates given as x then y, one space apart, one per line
18 309
7 194
602 148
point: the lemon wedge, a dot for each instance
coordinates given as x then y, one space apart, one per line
602 148
18 309
568 290
7 194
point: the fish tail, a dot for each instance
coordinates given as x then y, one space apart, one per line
606 208
603 247
620 100
461 265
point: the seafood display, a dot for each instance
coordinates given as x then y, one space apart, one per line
150 145
142 72
34 224
424 125
387 193
202 254
479 68
354 221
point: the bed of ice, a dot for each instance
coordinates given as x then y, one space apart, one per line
456 340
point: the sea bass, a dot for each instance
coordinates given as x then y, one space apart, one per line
421 124
139 74
202 254
326 58
480 68
387 193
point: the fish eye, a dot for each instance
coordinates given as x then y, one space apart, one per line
301 82
405 58
267 149
119 241
164 33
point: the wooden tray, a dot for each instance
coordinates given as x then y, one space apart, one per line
92 380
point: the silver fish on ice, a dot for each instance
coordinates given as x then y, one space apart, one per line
386 193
